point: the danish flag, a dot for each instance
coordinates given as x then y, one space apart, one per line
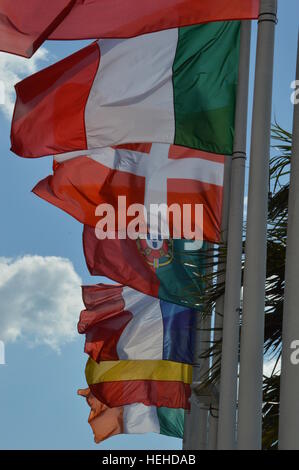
145 174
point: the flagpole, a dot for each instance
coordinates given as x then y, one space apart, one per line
213 417
196 420
192 419
252 333
231 317
192 416
202 424
289 380
219 307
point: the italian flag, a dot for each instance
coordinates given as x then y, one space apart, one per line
131 419
177 86
25 25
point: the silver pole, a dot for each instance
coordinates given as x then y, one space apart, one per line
213 417
219 307
252 334
196 420
204 370
192 417
289 381
231 318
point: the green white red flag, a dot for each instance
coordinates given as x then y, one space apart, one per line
132 419
176 86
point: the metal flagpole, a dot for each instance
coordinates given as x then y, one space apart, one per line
289 381
202 424
219 307
192 417
196 420
205 366
232 203
231 317
252 333
213 417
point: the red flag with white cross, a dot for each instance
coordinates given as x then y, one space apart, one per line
145 174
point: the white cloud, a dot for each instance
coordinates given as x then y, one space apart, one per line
40 300
13 69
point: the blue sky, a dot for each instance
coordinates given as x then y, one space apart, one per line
45 362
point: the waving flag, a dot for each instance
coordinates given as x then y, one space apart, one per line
25 24
153 383
174 86
145 174
172 270
132 419
122 323
111 18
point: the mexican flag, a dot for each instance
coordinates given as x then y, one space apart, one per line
176 86
26 24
